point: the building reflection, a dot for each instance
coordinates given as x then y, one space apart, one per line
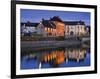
56 57
75 54
60 56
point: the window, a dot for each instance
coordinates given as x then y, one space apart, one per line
45 29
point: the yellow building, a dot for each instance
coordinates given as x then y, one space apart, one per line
52 28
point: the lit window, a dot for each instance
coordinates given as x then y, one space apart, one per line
51 29
48 28
45 29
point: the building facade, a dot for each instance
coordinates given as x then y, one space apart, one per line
75 28
51 28
55 27
46 28
28 28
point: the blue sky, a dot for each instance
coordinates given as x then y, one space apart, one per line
36 15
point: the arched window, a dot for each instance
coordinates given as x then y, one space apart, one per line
71 33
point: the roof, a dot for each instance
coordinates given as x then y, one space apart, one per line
48 23
74 22
56 18
88 26
29 24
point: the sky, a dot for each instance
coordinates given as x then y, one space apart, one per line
37 15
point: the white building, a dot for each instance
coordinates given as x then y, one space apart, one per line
28 28
75 28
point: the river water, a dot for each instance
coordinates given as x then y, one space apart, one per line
56 58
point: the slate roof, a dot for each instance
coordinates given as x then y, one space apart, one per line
74 23
88 26
49 24
56 18
29 24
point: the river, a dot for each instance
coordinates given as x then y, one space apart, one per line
56 58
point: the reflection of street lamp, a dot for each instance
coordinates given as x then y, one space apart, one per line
77 59
40 65
38 55
66 59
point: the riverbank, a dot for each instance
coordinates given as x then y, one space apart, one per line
48 43
70 42
42 45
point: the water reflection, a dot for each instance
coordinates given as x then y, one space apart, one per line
60 57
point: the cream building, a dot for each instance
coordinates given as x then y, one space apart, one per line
75 28
75 54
